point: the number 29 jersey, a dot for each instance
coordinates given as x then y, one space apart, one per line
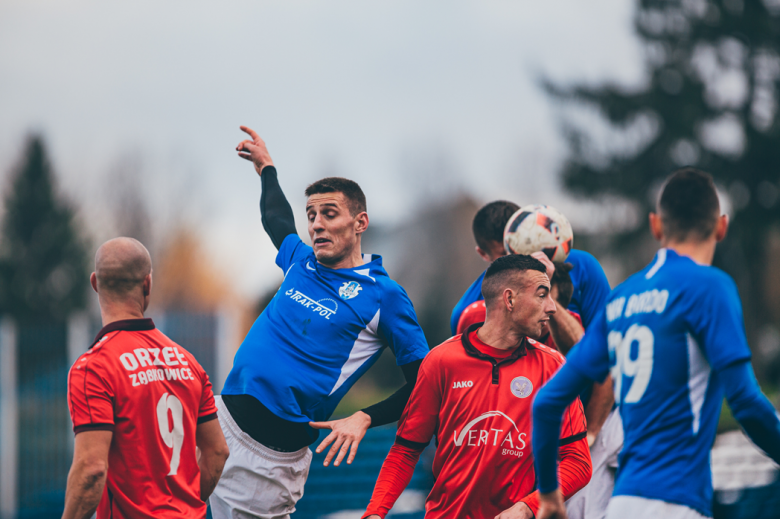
664 335
152 394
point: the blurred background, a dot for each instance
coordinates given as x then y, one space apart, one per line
121 118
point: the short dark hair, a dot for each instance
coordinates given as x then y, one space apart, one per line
496 275
349 188
489 222
562 279
689 205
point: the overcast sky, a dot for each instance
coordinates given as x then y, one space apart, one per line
411 99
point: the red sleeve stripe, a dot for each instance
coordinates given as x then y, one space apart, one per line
207 418
94 427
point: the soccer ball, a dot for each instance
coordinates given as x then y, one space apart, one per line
535 228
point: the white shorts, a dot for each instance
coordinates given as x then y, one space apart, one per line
257 482
591 502
621 507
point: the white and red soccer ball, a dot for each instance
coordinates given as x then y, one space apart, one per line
535 228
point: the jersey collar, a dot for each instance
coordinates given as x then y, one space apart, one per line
130 325
472 351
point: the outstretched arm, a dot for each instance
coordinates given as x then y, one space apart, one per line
751 408
347 433
275 211
549 406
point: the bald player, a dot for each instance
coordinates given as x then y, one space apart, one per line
140 405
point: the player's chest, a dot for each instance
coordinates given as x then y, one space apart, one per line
325 298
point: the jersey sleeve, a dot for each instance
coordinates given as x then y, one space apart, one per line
574 426
208 408
90 397
420 419
590 356
717 324
594 290
398 326
292 250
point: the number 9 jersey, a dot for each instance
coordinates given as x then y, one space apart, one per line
664 335
152 394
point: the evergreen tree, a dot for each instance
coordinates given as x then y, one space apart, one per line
43 260
710 101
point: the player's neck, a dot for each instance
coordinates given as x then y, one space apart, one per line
702 252
111 312
498 336
352 260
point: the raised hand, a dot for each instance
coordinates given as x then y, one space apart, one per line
541 256
345 435
254 150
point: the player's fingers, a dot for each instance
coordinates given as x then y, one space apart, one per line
327 441
353 451
342 452
244 144
333 450
321 425
245 156
251 132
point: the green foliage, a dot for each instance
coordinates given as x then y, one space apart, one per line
710 101
43 259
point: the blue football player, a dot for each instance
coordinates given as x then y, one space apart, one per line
672 336
335 312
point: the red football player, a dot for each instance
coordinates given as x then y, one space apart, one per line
140 404
474 395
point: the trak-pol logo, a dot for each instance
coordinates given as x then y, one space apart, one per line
521 387
349 289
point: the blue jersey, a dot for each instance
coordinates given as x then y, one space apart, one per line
591 289
664 335
322 330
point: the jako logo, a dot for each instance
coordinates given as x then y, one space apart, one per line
465 383
510 445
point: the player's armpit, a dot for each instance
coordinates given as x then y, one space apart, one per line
214 453
395 475
87 476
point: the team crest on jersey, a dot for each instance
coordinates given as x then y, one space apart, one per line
521 387
349 289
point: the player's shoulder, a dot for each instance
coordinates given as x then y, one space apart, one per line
545 353
446 350
583 259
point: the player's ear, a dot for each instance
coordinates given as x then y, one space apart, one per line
93 281
482 254
722 227
361 222
656 226
147 285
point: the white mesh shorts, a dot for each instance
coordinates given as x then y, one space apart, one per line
257 482
591 502
635 507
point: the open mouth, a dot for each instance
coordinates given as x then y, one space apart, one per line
321 241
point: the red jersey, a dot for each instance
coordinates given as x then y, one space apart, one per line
152 394
477 402
476 312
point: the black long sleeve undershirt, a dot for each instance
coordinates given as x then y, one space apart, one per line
275 211
390 409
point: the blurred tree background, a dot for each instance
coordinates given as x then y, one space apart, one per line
710 100
43 255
